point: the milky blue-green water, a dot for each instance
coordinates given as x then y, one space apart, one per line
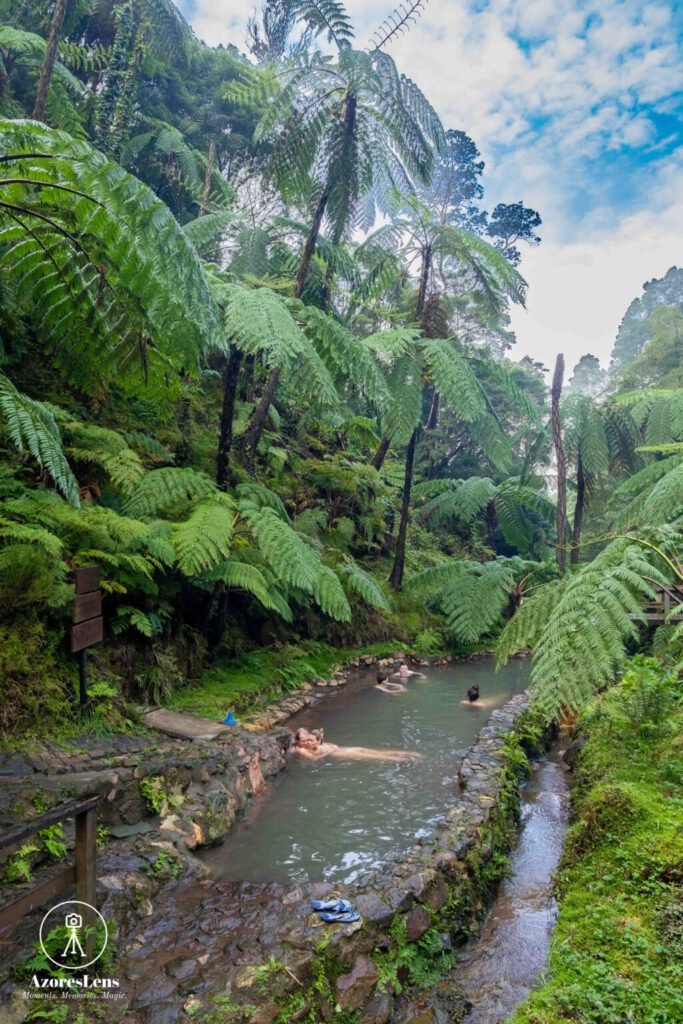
334 819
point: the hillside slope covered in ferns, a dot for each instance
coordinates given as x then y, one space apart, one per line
256 365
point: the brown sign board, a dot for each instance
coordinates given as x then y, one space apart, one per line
87 606
87 579
85 634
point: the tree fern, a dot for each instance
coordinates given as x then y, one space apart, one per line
35 535
32 428
359 582
261 324
329 595
162 489
204 539
112 284
580 627
249 578
285 552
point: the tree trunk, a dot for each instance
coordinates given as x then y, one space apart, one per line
48 67
578 509
211 159
433 420
396 577
561 515
260 414
380 454
327 288
424 279
232 370
491 525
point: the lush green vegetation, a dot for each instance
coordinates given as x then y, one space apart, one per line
256 365
617 951
262 418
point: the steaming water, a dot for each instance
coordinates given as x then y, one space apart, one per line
334 819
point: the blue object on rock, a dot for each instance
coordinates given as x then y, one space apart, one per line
230 719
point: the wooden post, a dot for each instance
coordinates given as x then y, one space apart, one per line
87 628
667 604
86 875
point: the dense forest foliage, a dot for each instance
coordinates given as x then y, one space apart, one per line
256 365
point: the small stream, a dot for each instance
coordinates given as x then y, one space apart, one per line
500 967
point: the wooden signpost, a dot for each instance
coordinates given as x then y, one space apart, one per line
87 628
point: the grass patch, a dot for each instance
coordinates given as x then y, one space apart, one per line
617 952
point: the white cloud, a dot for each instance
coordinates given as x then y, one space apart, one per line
579 292
541 111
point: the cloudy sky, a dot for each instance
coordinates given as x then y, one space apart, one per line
576 109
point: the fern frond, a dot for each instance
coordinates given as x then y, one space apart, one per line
286 553
359 582
249 578
204 540
32 428
329 595
162 489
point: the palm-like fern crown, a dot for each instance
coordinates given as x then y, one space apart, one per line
111 283
354 127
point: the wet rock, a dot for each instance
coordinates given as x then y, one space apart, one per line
417 922
163 1013
399 899
246 976
437 897
183 970
266 1014
372 908
378 1010
157 989
427 1016
571 754
356 986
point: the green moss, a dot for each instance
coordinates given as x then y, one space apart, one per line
617 951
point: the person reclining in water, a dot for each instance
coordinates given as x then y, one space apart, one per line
311 744
386 686
405 673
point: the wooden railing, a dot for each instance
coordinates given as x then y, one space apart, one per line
79 877
667 606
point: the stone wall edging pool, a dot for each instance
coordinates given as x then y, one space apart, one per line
434 897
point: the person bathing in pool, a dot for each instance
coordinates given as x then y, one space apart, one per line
311 744
386 686
405 673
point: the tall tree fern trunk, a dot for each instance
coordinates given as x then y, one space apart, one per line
398 568
561 515
491 525
381 453
433 420
578 509
230 378
260 414
208 175
47 70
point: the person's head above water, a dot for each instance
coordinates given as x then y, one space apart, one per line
473 692
310 740
382 677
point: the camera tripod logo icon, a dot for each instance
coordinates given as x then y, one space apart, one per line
82 933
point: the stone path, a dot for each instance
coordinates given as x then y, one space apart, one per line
184 726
